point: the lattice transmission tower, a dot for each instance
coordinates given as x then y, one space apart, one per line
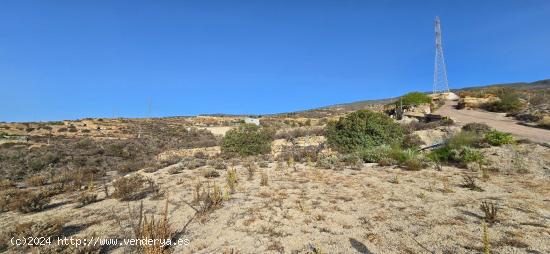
441 85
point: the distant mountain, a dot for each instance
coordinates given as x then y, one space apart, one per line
537 85
377 104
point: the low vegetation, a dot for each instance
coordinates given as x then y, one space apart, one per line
246 140
362 129
413 99
510 101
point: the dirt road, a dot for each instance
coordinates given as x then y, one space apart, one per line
496 120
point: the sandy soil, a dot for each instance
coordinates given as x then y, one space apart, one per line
372 210
495 120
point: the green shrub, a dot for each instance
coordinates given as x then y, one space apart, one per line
465 138
374 154
410 159
467 155
497 138
362 129
461 156
440 154
414 98
509 102
247 139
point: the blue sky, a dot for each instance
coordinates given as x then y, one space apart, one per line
75 59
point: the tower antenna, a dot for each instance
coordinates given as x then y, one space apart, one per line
441 85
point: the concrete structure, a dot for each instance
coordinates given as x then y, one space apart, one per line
255 121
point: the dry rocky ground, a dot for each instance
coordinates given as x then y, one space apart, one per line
282 206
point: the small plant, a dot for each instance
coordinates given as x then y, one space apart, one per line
85 198
464 139
231 179
490 210
210 199
414 164
218 164
497 138
210 173
467 155
470 183
251 169
159 231
519 163
264 181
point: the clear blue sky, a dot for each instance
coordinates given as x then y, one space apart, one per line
75 59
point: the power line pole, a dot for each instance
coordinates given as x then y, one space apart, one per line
440 85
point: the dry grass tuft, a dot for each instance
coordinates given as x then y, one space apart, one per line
264 181
231 179
490 210
470 183
160 231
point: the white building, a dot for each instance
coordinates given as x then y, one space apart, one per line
255 121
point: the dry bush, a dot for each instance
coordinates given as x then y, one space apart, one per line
231 179
75 153
207 199
264 181
85 198
352 161
300 153
193 163
210 173
6 197
176 169
490 211
49 227
470 183
414 164
134 187
251 168
170 160
36 180
217 164
159 230
29 201
328 162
